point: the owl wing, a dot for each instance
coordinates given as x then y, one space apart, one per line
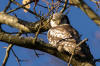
61 32
63 35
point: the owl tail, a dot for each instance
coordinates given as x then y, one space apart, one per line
70 51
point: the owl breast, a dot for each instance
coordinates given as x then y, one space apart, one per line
63 37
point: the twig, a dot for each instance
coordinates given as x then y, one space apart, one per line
8 50
64 7
75 49
81 42
70 59
97 3
18 60
42 6
36 35
37 54
49 18
25 8
7 54
19 7
6 8
96 60
68 9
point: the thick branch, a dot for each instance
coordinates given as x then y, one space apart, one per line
86 9
12 21
21 24
42 46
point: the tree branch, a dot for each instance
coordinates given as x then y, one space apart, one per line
21 24
7 54
42 46
19 7
12 21
96 60
80 43
25 8
64 7
7 7
86 9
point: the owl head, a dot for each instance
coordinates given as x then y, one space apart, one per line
58 19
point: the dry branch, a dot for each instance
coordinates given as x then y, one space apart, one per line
96 60
8 6
83 41
12 21
21 24
17 59
64 8
25 8
19 7
8 50
42 46
7 54
86 9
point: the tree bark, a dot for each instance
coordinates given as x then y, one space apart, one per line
32 27
22 24
87 10
27 42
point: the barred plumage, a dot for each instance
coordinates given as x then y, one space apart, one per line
62 35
